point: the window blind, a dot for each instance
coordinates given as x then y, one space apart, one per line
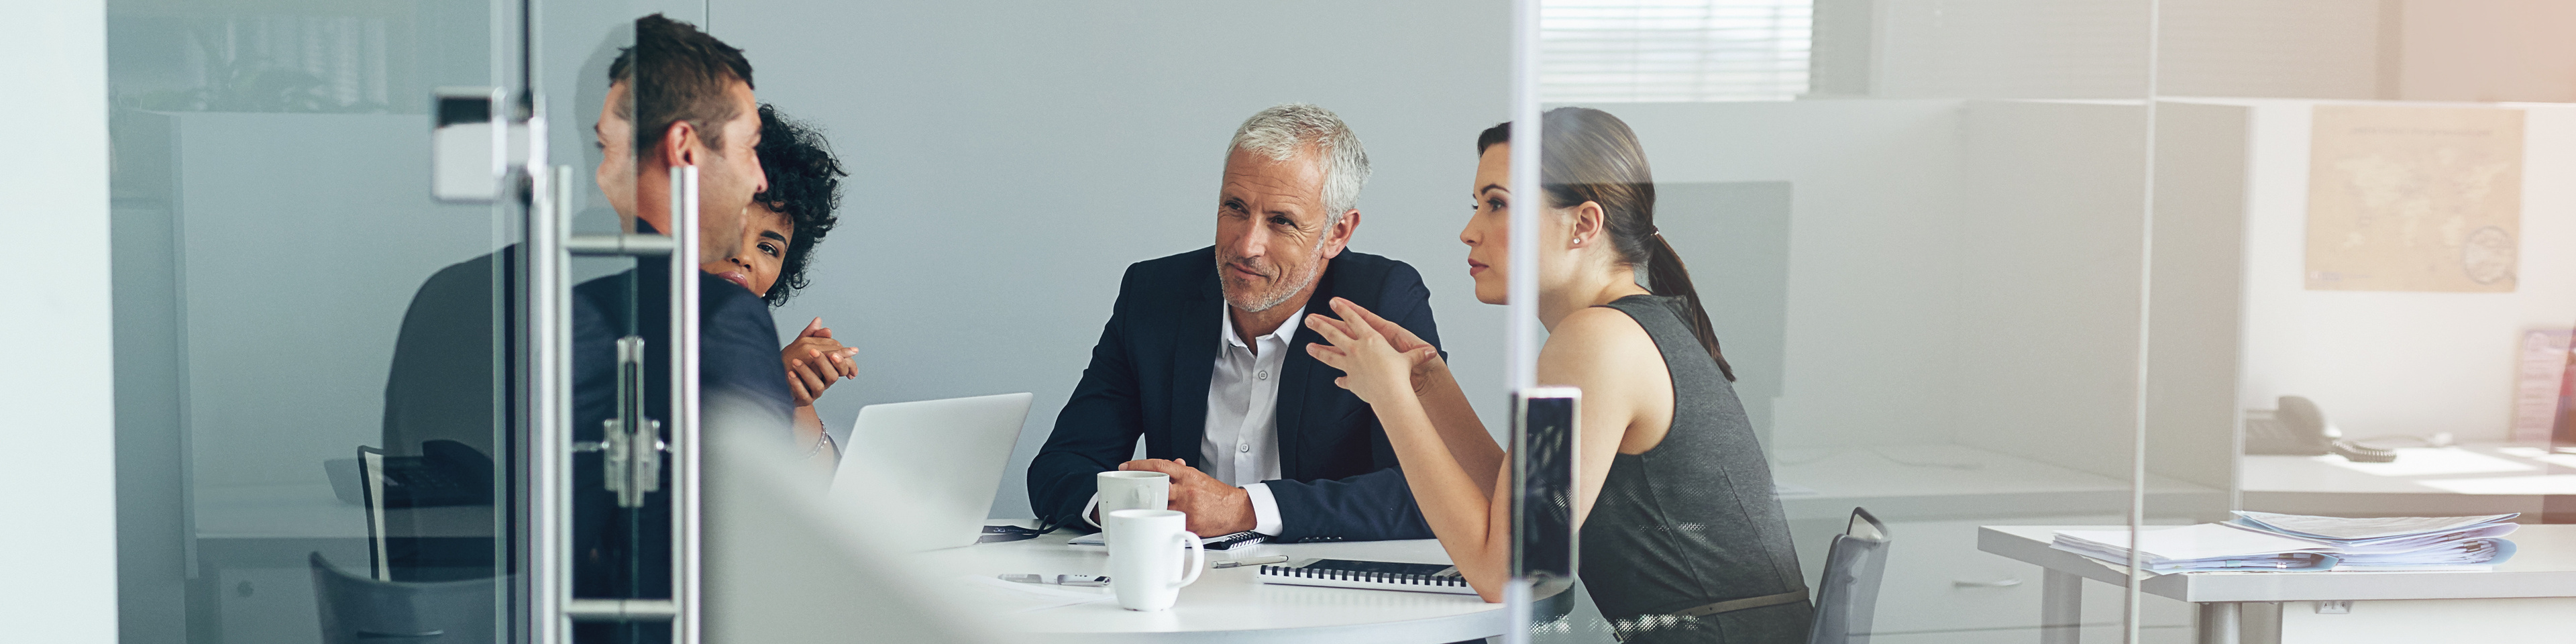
1674 50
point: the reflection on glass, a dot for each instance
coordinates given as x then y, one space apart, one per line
311 428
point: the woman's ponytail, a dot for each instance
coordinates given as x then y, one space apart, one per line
1591 156
1666 276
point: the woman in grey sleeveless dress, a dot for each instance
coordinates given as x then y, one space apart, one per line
1681 538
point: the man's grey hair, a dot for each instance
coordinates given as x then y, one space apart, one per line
1282 132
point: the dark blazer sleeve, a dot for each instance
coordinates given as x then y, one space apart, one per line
1376 505
742 386
1098 428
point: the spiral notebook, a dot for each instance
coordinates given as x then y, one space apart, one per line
1372 575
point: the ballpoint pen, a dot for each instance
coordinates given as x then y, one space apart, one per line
1060 580
1255 561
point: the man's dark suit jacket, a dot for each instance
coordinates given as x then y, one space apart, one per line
442 387
1149 376
741 386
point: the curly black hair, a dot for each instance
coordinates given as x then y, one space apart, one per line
804 185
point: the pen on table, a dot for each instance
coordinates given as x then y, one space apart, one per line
1060 580
1255 561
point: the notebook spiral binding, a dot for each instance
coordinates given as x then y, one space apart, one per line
1367 580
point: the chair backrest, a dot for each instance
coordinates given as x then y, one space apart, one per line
1847 597
371 490
358 610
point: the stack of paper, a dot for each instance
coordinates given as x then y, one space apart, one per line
2208 546
2382 543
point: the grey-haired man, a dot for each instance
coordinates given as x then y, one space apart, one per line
1203 357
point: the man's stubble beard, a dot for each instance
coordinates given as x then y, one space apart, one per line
1314 269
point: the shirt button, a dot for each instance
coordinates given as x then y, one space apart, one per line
1262 374
1242 447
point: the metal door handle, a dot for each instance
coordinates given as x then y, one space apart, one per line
2006 582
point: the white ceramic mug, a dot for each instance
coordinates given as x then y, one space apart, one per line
1127 490
1146 570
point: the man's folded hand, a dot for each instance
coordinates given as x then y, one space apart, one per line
1214 508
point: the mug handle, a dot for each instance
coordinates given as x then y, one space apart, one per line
1198 557
1088 506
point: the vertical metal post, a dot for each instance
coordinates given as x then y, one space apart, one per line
545 426
685 408
2061 606
2131 608
1520 318
2218 623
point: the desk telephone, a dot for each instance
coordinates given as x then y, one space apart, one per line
2298 428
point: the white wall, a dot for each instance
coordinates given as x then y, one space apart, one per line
2392 362
1010 159
59 542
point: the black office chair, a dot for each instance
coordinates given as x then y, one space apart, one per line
1847 596
359 610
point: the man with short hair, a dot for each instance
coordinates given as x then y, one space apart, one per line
1204 357
679 97
449 383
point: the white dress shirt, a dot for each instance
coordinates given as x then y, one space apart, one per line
1241 445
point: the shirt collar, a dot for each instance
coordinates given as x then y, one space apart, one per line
1226 334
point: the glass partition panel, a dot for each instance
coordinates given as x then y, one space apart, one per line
2355 310
312 318
1890 258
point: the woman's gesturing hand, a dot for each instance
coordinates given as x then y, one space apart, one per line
1380 361
815 361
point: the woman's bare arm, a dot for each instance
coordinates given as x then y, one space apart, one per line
1444 402
1470 513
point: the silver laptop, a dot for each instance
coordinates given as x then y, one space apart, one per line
950 454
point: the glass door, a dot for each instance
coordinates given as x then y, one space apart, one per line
315 318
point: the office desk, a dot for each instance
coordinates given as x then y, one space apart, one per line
1934 481
2531 598
1228 605
2476 478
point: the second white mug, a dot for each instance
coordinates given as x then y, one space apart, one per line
1146 569
1127 490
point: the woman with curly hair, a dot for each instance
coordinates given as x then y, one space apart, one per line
783 225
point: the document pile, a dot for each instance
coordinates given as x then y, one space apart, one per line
2265 541
2397 543
2208 546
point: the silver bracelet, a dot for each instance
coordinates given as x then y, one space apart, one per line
822 439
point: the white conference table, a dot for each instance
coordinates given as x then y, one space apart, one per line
2531 597
1226 605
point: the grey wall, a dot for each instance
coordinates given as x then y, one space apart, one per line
1948 272
1010 159
1735 242
1870 252
2198 294
2048 282
290 294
